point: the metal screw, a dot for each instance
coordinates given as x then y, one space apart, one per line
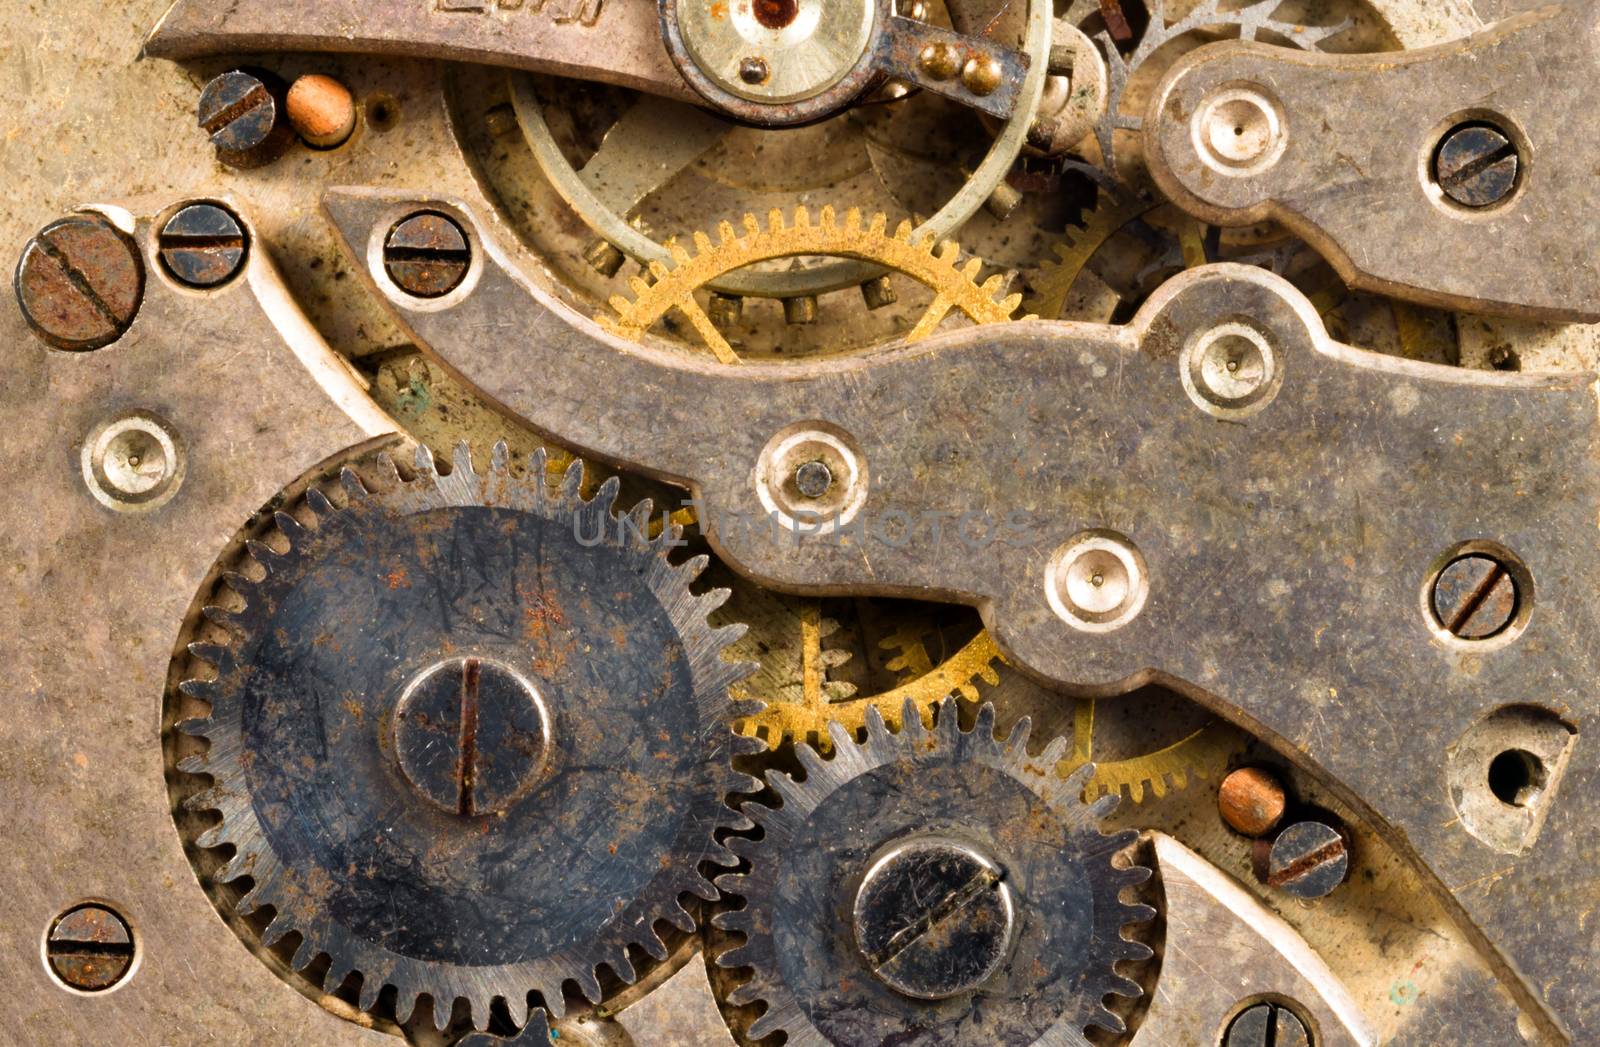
427 255
1475 597
203 246
242 111
471 735
933 918
813 479
754 71
604 258
1308 860
940 61
90 948
982 74
1267 1024
1477 165
79 283
1251 801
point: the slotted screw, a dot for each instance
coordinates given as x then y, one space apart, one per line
90 948
427 255
1477 165
243 112
203 245
1267 1024
1475 597
1308 860
79 283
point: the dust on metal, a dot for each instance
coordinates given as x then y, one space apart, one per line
203 246
79 283
1475 597
1308 860
90 948
427 255
243 112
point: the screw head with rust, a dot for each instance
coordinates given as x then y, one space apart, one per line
243 112
1308 860
472 735
203 246
89 948
80 283
934 918
1477 165
1475 597
1267 1024
427 255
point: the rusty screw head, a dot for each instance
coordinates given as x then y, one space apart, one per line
982 74
1477 165
1267 1024
1308 860
471 735
427 255
79 283
933 918
1475 597
203 246
243 112
1251 801
90 948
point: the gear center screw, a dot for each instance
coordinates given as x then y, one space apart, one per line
472 735
934 918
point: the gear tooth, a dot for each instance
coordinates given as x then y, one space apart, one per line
658 268
1107 1019
621 304
210 653
775 220
973 266
552 999
622 967
200 690
516 1007
589 985
240 584
1011 303
353 487
904 231
572 482
679 917
1138 952
386 468
639 286
744 995
680 256
319 502
280 927
405 1004
827 219
802 217
304 953
994 285
839 735
1101 809
702 242
477 1012
1052 756
814 764
765 1026
195 764
500 459
985 722
262 553
605 497
538 466
726 232
877 730
425 465
371 987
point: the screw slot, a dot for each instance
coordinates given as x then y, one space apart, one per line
80 283
89 949
1477 165
203 246
427 255
1480 594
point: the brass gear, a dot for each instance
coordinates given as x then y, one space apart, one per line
1053 283
935 265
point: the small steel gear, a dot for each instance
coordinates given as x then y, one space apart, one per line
889 891
469 738
933 264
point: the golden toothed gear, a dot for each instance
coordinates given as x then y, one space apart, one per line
1052 284
934 264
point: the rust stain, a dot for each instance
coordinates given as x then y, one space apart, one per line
398 579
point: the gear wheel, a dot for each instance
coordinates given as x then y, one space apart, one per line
469 737
933 264
888 890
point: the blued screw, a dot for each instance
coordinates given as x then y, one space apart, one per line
471 735
79 283
427 255
813 479
1475 597
933 918
1477 165
1267 1024
243 112
203 245
1308 860
90 948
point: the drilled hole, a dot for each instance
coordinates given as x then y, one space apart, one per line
1517 777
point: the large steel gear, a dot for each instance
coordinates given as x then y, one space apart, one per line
1013 860
932 264
470 738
